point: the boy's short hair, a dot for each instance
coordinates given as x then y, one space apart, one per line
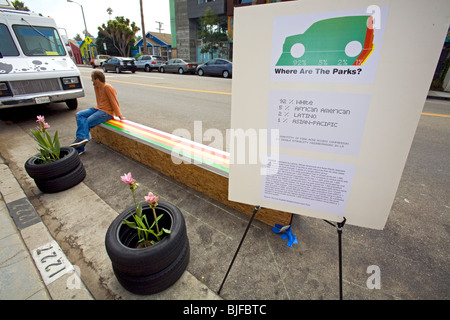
97 74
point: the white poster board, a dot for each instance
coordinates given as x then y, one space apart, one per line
333 97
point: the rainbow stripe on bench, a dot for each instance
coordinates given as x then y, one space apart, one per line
161 151
212 159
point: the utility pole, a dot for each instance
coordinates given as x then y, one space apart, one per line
144 40
85 30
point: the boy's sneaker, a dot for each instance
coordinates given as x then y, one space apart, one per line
79 142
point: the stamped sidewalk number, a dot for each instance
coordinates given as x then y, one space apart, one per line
51 262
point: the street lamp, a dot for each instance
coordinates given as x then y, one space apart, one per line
85 28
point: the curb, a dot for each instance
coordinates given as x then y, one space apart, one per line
440 95
56 273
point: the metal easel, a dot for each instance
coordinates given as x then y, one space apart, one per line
338 225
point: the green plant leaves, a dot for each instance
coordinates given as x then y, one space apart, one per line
49 148
141 225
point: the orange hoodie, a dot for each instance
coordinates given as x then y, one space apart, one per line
107 100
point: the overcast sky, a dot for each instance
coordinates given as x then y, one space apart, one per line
69 16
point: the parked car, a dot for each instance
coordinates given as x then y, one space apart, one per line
216 67
98 60
178 65
119 64
148 63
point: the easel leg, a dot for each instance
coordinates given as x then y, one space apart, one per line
239 247
339 227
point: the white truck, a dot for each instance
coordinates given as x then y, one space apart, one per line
35 67
98 60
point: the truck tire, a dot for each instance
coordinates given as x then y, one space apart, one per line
72 104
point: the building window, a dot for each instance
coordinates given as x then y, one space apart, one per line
205 1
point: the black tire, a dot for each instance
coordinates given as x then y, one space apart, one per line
117 70
72 104
104 69
69 160
200 72
156 282
161 69
64 182
147 68
180 71
225 74
120 242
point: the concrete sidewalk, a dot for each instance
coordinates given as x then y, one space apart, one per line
25 244
412 252
15 257
23 235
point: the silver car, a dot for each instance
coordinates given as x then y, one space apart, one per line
179 65
148 63
216 67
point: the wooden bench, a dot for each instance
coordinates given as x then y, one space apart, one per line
199 167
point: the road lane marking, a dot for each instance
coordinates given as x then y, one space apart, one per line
219 92
436 115
166 87
149 77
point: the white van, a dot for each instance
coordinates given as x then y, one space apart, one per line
35 66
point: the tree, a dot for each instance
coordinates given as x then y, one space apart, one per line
121 33
212 31
110 11
19 5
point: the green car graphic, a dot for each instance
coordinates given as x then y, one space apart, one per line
332 42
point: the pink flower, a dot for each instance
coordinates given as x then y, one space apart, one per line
151 199
46 126
40 119
128 179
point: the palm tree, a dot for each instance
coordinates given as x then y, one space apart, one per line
19 5
110 11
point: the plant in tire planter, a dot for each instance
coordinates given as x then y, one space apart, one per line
145 260
54 168
141 224
49 148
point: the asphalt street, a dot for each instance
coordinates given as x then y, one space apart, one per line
411 253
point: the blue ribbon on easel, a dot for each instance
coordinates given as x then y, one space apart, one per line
287 234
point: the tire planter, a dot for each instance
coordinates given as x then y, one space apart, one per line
59 175
63 182
152 269
68 161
